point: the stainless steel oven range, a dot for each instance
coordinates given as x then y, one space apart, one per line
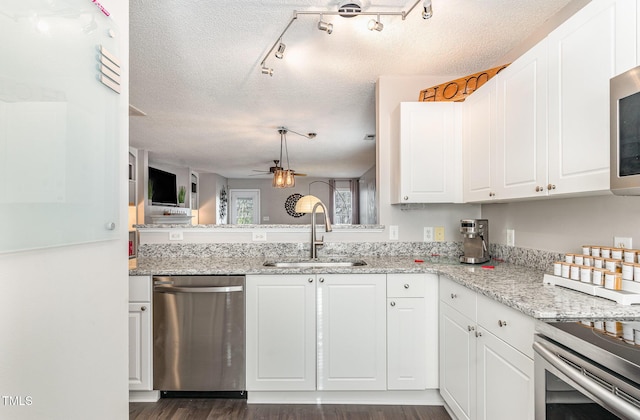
587 370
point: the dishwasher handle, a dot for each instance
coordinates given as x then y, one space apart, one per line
196 289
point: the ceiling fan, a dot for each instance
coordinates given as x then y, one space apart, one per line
284 178
272 170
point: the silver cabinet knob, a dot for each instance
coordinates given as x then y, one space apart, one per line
478 333
502 323
321 279
392 303
470 328
110 226
143 308
538 188
310 280
406 286
406 197
551 187
492 194
453 296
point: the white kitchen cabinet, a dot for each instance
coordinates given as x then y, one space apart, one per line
479 119
521 137
584 53
308 332
140 334
504 389
281 332
486 360
427 153
412 328
351 332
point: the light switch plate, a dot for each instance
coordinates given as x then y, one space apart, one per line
511 237
393 233
439 234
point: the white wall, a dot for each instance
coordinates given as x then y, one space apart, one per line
390 91
64 324
209 189
272 199
563 225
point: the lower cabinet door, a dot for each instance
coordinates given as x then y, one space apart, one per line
458 362
351 336
281 333
505 380
140 346
406 344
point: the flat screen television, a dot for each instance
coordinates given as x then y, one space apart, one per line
165 189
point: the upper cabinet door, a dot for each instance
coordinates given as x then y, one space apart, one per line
478 139
584 53
521 141
428 151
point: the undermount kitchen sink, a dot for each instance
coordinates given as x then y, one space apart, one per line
315 263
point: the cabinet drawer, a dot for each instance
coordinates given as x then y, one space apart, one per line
458 297
508 324
407 285
139 288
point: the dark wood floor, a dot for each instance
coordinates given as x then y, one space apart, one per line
203 408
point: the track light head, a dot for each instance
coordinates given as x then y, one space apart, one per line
267 70
324 26
375 25
427 13
280 52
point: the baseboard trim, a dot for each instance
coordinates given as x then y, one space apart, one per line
425 397
144 396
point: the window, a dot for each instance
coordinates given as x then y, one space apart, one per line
244 207
344 201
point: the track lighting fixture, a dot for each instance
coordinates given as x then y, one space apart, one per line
375 24
324 26
350 9
428 10
280 52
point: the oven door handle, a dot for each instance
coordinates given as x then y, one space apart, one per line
196 289
607 399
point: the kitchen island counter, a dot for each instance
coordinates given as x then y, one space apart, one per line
516 286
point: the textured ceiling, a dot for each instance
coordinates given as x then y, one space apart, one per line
195 72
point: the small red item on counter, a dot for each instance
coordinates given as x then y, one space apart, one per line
435 255
418 261
489 267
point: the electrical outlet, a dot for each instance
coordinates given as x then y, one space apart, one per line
176 235
622 242
428 234
511 237
439 234
259 236
393 233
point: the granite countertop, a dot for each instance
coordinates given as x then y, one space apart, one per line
516 286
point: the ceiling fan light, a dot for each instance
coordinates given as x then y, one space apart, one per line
278 179
289 179
305 204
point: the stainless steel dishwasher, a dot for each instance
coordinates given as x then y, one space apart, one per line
198 333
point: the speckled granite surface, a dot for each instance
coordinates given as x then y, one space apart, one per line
516 286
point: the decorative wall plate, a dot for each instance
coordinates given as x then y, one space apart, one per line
290 205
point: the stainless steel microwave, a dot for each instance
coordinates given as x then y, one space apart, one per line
625 133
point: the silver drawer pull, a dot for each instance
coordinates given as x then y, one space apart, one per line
453 296
502 323
406 286
392 304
